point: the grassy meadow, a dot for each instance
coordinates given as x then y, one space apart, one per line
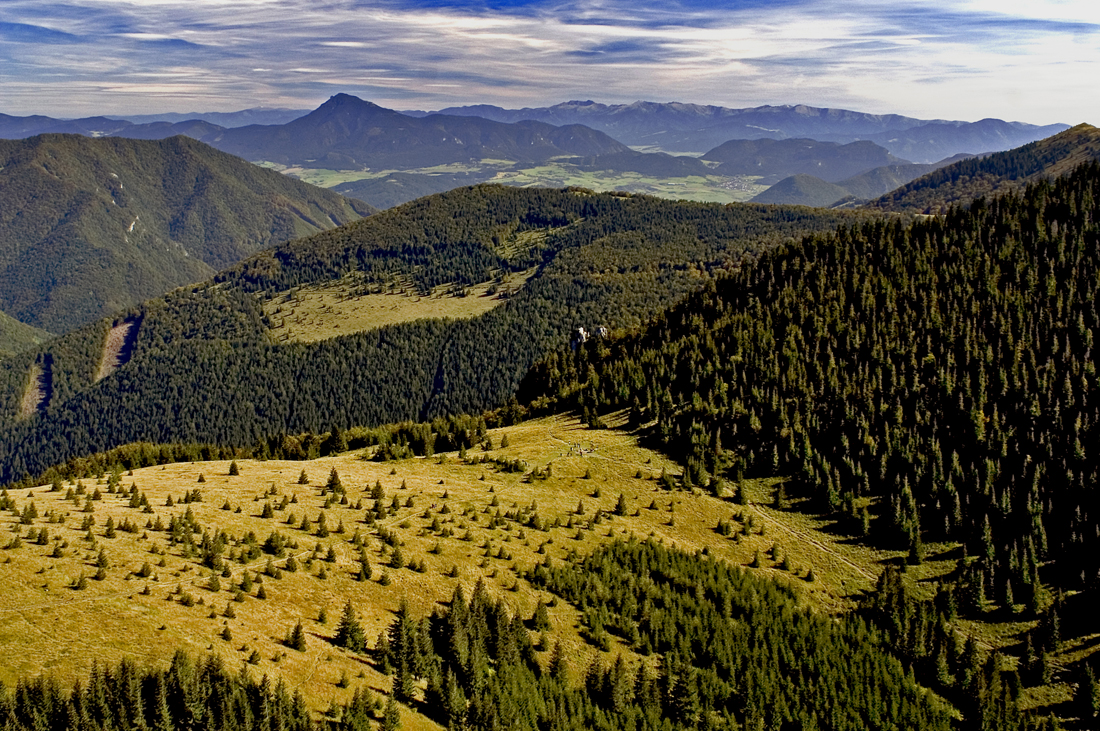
47 624
312 313
457 519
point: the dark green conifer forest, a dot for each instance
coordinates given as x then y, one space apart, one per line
943 369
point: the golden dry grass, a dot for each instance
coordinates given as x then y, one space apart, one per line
329 310
46 625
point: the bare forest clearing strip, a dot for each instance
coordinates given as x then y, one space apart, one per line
117 348
310 314
39 385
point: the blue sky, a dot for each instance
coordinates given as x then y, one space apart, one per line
1031 61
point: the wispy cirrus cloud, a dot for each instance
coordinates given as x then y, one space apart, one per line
965 60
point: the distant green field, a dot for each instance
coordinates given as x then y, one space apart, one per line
710 188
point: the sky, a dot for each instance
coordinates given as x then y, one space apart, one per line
1035 61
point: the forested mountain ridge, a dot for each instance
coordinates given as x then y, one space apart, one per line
92 226
967 179
203 366
941 371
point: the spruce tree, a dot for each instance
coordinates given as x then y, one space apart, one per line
391 716
620 506
540 621
349 633
297 638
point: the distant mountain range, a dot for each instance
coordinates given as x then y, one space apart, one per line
676 127
933 188
92 226
142 126
256 115
348 133
811 156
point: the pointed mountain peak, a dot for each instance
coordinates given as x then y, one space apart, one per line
348 111
347 101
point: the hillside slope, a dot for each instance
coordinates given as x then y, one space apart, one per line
538 577
92 226
802 190
1003 171
16 337
203 365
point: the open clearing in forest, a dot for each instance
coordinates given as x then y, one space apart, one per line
312 313
705 188
118 348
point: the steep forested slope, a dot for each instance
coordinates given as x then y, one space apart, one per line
944 370
91 226
204 367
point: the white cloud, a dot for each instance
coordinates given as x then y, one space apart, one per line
965 60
